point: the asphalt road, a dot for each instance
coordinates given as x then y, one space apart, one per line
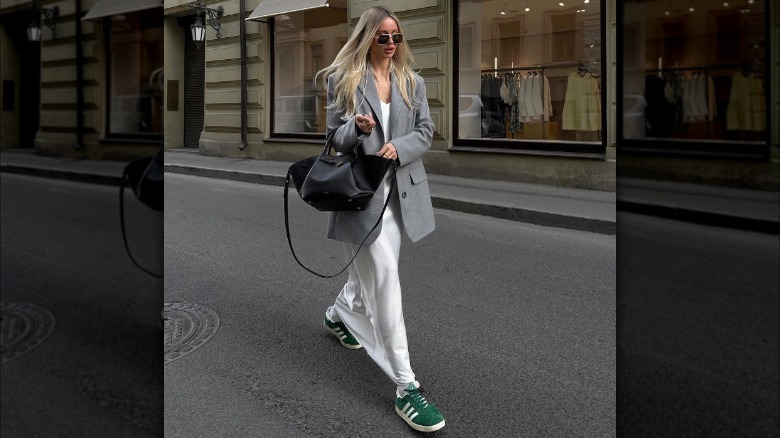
698 335
511 326
98 373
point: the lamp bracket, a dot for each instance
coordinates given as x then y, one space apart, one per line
212 16
47 15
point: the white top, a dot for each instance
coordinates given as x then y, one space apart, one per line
385 119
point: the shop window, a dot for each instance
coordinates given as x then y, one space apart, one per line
529 75
304 42
134 44
693 71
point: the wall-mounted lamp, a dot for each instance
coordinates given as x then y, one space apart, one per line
47 15
198 29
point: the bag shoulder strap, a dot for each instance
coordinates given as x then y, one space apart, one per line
287 227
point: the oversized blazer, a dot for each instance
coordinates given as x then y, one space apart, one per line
411 132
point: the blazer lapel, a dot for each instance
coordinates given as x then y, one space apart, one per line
372 97
397 106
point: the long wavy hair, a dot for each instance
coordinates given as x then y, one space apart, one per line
352 62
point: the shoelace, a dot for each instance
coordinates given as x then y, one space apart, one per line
417 398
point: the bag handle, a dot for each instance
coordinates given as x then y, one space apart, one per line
125 179
287 227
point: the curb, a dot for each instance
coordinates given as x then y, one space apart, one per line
496 211
700 217
232 175
92 178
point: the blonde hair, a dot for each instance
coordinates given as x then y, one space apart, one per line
352 62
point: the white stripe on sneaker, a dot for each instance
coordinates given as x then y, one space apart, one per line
413 415
406 407
409 412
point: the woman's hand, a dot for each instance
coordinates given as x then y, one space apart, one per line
388 151
365 123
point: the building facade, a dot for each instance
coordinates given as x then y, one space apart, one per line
571 92
90 87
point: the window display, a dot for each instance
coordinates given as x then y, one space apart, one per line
530 70
135 70
694 70
304 42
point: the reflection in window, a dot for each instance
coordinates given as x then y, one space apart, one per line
698 72
533 71
135 69
304 42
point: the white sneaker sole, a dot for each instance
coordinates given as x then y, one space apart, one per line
414 426
338 335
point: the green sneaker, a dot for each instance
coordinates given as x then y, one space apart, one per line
418 412
341 332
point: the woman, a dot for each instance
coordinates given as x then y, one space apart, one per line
376 103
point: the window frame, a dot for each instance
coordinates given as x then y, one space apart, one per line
313 137
566 148
713 148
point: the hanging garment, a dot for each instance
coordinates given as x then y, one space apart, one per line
547 104
504 91
711 104
747 109
515 124
582 105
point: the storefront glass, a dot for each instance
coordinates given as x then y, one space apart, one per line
135 42
694 70
530 72
304 42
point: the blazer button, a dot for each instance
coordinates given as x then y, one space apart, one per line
403 195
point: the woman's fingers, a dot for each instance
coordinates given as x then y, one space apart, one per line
388 151
365 122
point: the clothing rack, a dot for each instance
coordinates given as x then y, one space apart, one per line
704 68
580 66
533 67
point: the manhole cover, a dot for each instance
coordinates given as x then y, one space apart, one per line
24 327
187 327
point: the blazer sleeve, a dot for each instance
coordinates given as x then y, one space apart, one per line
347 136
416 142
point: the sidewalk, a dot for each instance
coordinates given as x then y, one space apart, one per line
585 210
577 209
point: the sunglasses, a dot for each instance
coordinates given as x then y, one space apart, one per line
385 38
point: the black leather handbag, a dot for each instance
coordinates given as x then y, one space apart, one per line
337 183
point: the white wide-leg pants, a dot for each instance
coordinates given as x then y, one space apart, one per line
370 305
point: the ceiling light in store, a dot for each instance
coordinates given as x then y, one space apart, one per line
691 9
561 4
667 13
726 4
750 2
503 13
587 1
528 9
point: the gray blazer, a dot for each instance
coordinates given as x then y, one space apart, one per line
411 133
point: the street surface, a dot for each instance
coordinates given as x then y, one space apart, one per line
698 341
98 373
511 326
